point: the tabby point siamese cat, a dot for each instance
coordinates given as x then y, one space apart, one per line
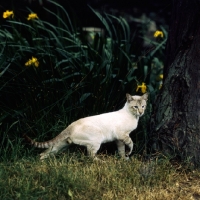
92 131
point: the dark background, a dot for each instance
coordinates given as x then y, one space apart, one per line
155 9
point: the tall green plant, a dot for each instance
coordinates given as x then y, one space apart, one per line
51 75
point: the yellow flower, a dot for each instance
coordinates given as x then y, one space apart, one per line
32 61
158 34
8 14
32 16
143 88
161 76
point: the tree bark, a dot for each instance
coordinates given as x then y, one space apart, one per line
175 121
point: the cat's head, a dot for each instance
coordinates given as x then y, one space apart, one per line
137 104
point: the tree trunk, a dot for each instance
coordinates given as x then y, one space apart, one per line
175 122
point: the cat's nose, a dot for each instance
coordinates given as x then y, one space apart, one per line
140 112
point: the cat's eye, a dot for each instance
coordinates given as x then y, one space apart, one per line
135 106
142 106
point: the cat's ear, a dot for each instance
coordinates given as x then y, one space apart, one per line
145 96
129 97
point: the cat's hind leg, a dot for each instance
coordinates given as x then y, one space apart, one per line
53 149
92 150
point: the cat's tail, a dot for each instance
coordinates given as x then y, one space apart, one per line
49 143
43 145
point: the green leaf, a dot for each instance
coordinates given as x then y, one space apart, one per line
84 96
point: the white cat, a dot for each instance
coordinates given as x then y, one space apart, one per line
92 131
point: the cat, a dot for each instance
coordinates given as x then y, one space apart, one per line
92 131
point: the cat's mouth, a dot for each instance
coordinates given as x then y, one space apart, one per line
140 114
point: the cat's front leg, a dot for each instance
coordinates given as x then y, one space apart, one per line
121 149
127 141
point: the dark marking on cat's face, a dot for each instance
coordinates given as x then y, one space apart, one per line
137 105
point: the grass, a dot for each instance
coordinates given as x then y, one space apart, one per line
75 176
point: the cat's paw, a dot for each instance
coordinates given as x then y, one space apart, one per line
126 158
128 153
43 156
